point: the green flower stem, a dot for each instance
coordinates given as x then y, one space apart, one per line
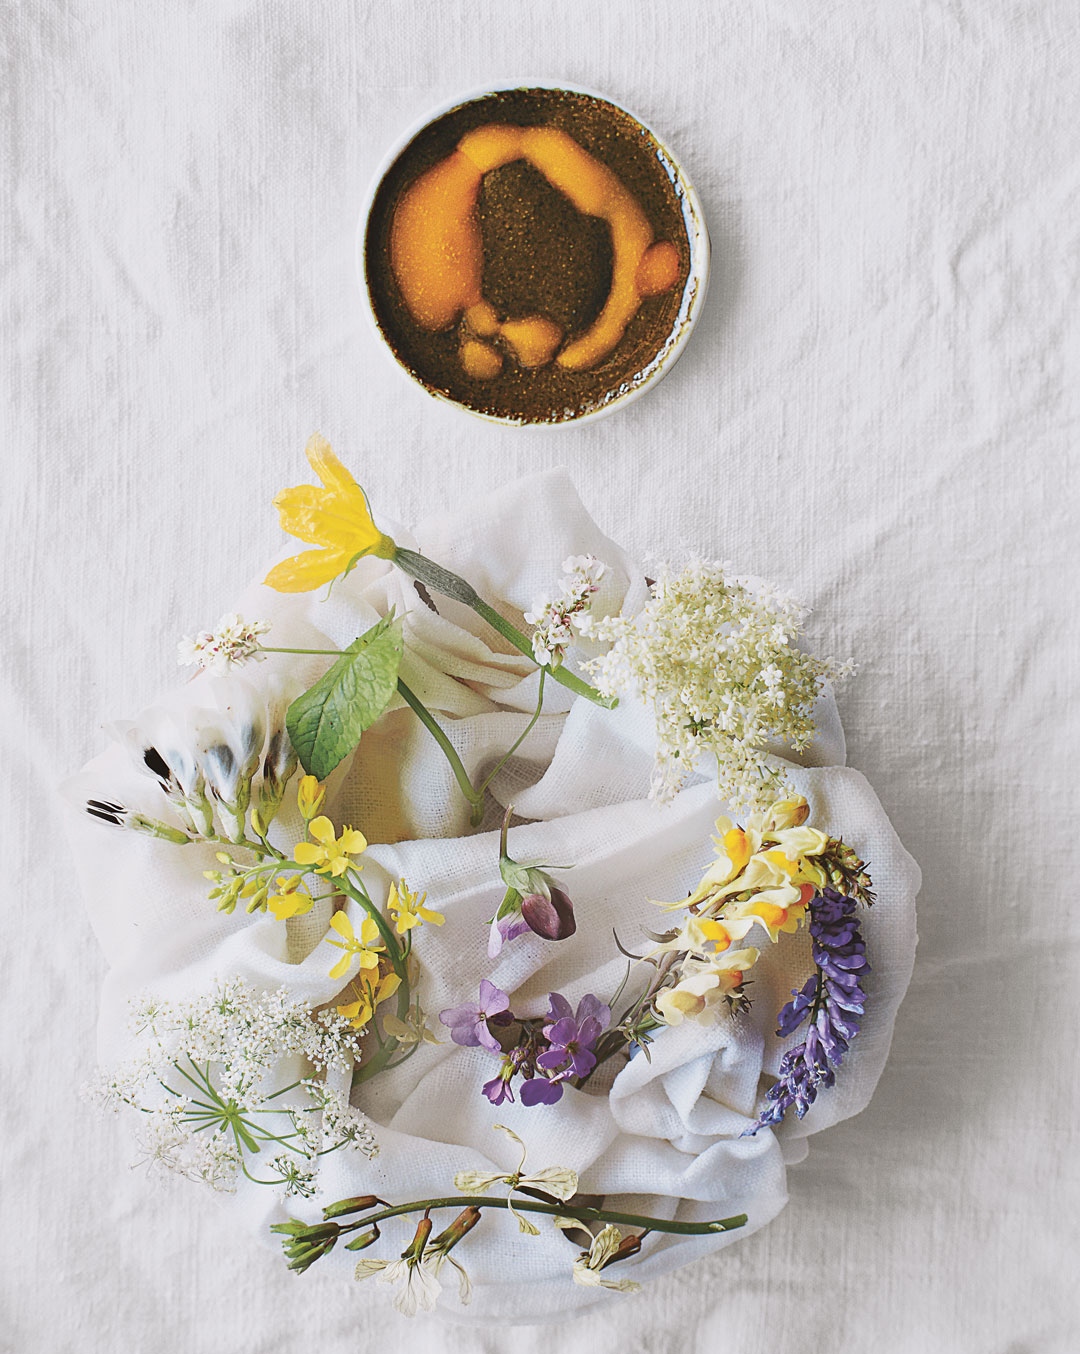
518 742
557 1210
434 576
400 967
336 653
475 797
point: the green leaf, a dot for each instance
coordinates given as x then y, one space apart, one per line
326 722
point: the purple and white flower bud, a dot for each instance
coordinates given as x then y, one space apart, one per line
551 917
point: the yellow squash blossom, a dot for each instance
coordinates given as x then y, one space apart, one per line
360 947
290 900
329 854
408 910
336 518
360 1012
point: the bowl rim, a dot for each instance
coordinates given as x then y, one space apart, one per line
695 288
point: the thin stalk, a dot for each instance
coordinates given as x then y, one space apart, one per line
514 746
474 796
400 967
557 1210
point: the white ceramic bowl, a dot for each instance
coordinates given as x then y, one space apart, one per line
694 289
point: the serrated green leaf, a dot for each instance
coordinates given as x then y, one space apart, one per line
326 722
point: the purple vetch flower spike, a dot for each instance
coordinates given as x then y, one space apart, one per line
468 1025
833 1001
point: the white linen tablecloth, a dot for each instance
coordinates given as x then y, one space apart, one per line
879 411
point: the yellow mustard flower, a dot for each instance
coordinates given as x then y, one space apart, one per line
329 854
357 947
309 797
360 1012
290 900
408 909
335 518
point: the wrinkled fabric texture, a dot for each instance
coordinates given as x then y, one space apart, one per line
879 410
667 1138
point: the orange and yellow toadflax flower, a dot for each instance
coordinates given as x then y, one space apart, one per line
335 518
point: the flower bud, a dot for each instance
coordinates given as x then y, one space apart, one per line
358 1204
787 813
462 1224
551 917
153 828
309 797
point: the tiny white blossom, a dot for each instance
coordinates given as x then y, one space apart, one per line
556 617
208 1082
715 656
230 645
602 1251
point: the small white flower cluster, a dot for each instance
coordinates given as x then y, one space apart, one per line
230 645
714 654
554 618
210 1087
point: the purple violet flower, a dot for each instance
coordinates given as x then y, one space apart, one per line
540 1091
468 1025
572 1037
833 1000
498 1089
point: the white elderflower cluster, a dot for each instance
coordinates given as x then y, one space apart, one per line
555 617
714 655
229 646
212 1092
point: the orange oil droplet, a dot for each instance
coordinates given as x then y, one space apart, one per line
436 251
480 359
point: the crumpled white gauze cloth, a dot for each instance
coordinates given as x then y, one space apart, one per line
666 1140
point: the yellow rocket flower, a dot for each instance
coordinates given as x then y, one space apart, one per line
327 853
356 947
336 518
408 909
360 1012
290 900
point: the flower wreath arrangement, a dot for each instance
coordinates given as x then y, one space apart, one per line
430 940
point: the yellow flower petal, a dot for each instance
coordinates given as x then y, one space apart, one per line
342 966
387 987
343 926
308 571
352 840
322 829
737 848
369 932
327 466
307 853
436 918
367 958
330 520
